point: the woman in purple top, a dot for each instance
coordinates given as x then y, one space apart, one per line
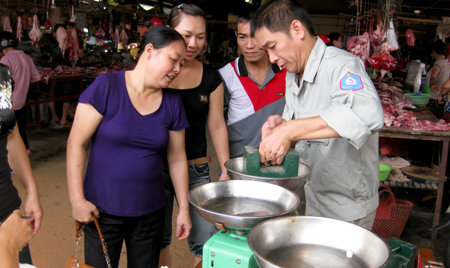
130 120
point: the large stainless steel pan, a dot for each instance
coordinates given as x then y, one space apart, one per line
316 242
235 169
242 204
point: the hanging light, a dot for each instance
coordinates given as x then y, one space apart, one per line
146 7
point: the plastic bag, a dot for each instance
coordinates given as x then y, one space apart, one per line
392 42
383 61
410 37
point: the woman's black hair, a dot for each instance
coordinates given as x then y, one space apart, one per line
333 36
188 9
7 39
160 37
439 47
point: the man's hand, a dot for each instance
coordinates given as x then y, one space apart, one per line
275 144
184 225
272 122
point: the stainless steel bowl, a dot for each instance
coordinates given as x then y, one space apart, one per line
242 204
235 169
316 242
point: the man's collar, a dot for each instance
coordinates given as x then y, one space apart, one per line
242 69
312 66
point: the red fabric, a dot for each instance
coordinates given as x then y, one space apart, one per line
324 38
270 94
156 21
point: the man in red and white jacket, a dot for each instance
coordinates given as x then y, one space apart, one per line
254 89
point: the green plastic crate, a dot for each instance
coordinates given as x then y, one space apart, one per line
403 253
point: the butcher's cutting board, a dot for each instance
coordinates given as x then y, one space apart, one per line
421 174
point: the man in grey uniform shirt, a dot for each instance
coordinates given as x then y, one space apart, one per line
332 115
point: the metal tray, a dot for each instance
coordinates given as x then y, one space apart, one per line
235 169
316 242
242 204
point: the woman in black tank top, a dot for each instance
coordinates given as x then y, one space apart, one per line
13 154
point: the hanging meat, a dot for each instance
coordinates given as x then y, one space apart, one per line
75 47
123 37
111 26
19 31
7 25
62 38
100 33
410 37
116 36
376 37
35 33
360 46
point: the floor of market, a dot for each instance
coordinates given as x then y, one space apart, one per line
54 243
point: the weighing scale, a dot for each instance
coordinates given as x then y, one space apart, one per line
249 198
250 213
235 206
228 249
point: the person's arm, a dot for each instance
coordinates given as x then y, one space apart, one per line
35 75
19 162
434 73
354 114
218 129
444 91
15 232
177 160
87 119
278 135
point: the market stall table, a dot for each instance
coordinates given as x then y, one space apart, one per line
51 92
441 136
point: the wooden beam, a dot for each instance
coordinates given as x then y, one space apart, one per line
419 20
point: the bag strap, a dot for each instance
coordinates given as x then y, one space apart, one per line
78 234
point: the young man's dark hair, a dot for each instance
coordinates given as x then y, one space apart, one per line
277 16
244 18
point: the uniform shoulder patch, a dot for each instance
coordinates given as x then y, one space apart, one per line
351 82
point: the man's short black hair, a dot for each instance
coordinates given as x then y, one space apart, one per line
277 16
7 39
244 18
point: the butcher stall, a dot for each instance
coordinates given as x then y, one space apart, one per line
73 42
